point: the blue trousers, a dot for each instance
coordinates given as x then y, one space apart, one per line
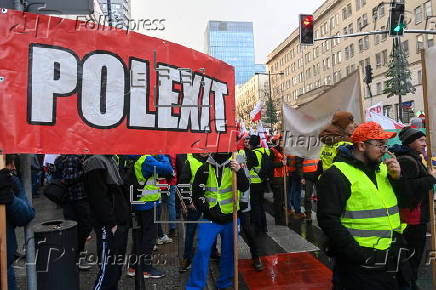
294 193
191 228
171 205
207 234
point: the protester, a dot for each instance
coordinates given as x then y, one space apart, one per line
255 165
364 232
212 195
110 208
19 212
336 134
295 169
192 163
69 169
311 173
36 175
277 184
419 180
148 169
244 215
168 199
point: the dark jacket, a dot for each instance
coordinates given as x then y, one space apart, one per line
414 198
334 189
18 214
185 178
104 187
198 190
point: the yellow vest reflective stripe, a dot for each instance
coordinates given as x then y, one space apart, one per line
328 153
194 164
254 177
151 191
371 212
222 195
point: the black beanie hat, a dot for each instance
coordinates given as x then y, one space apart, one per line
254 141
408 134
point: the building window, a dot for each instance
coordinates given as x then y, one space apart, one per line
337 76
363 43
419 77
376 39
378 61
430 40
405 47
384 57
362 22
419 43
381 10
387 109
346 12
379 88
383 36
427 9
418 14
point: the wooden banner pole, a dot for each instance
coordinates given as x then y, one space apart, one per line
429 163
235 227
3 246
285 187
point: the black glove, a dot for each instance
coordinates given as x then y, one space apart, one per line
6 191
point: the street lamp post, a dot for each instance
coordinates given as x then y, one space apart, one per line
269 74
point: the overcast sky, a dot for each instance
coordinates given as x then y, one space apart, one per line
186 20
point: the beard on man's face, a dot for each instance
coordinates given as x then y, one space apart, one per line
371 162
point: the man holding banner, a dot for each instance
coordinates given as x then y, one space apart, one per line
212 195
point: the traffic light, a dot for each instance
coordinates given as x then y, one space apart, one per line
368 74
306 29
396 19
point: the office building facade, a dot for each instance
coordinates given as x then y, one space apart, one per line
232 42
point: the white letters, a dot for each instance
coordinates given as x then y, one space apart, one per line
102 99
53 73
107 92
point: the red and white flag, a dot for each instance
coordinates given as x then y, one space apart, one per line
257 112
261 132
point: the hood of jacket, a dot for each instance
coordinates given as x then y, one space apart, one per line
333 134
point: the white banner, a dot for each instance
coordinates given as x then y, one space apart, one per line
303 125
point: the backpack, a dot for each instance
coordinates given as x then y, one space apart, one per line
266 169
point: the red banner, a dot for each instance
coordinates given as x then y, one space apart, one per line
71 87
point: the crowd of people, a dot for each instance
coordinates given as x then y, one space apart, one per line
372 203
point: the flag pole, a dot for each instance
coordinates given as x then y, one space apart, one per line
3 246
235 226
429 163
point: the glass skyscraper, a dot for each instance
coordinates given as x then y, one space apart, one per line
232 42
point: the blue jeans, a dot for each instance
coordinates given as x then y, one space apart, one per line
294 193
207 234
171 206
193 215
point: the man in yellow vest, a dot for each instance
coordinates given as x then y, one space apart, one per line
358 211
146 199
192 163
335 135
256 165
213 196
